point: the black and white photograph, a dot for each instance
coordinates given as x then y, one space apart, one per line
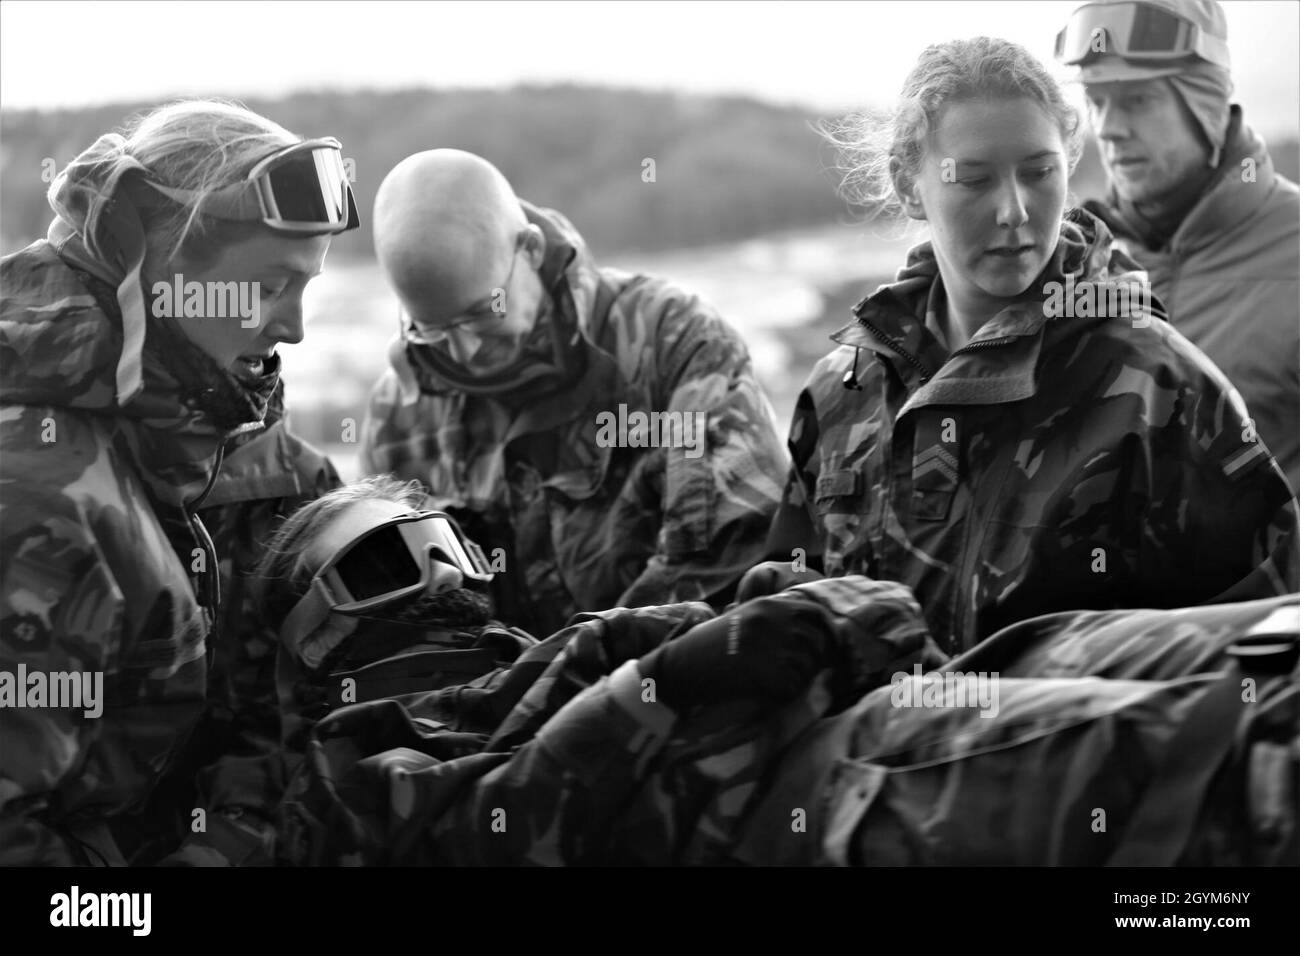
650 435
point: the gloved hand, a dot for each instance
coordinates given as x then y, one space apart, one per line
771 577
767 649
231 838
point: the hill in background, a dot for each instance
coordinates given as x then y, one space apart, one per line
725 168
742 210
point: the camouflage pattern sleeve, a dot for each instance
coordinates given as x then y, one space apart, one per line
721 488
584 744
376 787
242 783
553 801
394 430
1246 528
793 536
60 612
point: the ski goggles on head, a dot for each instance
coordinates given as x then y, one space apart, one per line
384 564
1137 31
301 190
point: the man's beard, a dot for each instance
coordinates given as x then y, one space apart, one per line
462 607
397 628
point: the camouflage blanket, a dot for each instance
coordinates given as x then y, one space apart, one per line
1086 737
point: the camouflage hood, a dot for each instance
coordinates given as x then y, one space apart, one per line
61 344
74 333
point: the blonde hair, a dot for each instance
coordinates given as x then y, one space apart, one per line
945 73
199 145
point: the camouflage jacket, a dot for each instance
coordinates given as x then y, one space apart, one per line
1230 277
1050 464
232 765
566 757
1145 715
104 564
1135 737
581 526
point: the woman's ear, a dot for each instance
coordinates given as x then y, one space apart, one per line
535 244
905 187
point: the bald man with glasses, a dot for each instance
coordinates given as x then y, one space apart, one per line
516 355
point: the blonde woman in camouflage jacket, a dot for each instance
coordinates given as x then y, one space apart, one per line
118 397
1012 428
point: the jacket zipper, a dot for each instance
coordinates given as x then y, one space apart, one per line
908 356
987 342
967 554
211 577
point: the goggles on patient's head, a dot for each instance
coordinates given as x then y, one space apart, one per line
384 564
301 190
1137 31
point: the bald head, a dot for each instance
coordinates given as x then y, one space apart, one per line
445 222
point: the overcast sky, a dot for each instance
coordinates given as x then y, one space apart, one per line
827 55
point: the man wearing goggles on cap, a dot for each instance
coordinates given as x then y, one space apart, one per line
119 407
1195 196
512 345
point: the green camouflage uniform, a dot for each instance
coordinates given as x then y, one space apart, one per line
543 762
1142 714
1070 462
584 527
1132 737
232 767
101 559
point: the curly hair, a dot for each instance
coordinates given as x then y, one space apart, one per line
869 143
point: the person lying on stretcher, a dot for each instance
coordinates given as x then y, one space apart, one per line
774 733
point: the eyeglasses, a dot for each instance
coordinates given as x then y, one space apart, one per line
301 190
415 334
1136 31
382 565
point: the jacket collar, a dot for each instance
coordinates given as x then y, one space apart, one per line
69 332
1000 362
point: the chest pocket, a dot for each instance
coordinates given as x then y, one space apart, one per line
843 483
936 465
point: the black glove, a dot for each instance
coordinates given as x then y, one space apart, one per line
771 577
767 649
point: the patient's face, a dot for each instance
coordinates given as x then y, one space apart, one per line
457 607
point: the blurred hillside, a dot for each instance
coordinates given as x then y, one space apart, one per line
742 211
724 167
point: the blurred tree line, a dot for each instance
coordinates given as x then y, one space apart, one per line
723 167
